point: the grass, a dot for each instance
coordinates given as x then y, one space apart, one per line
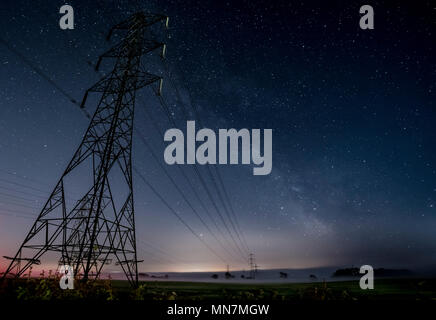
421 289
384 289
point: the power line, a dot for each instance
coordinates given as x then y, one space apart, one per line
17 197
185 177
22 192
17 204
156 252
154 257
171 119
196 114
198 118
24 214
176 214
27 187
43 75
24 186
184 110
144 141
231 208
16 175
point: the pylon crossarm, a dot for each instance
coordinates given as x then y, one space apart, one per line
111 84
121 50
149 19
33 261
127 262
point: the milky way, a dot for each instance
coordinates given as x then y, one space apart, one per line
352 112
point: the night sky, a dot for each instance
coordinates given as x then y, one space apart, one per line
352 112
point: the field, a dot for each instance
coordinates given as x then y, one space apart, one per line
385 289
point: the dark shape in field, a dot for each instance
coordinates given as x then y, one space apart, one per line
380 272
160 277
313 277
283 274
347 272
214 276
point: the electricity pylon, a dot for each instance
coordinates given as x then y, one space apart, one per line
253 266
100 225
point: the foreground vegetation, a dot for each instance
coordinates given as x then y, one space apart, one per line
385 289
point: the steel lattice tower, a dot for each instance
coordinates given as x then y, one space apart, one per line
100 226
